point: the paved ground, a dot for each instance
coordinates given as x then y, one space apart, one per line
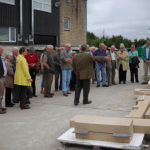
39 127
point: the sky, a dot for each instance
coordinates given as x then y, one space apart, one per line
129 18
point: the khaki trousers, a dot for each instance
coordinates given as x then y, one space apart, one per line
2 87
146 66
111 72
48 83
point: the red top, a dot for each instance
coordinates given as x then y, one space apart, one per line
33 59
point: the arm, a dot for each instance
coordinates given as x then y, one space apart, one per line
130 55
143 54
45 62
36 60
127 57
9 70
73 65
56 63
63 58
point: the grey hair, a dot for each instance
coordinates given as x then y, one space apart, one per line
92 48
113 46
122 45
8 55
14 49
83 47
68 44
101 44
49 46
31 49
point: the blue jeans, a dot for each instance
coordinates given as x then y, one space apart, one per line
103 71
43 81
66 75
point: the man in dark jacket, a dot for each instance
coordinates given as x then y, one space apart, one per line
49 68
15 90
57 60
83 66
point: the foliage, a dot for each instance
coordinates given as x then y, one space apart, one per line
93 40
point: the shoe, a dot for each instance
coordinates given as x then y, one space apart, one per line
10 105
109 84
15 101
2 112
3 109
56 90
51 93
65 94
88 102
137 81
98 86
75 104
68 92
60 88
23 104
35 96
114 83
49 96
132 81
124 82
144 83
105 85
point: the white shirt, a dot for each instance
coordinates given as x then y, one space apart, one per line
112 55
5 69
147 52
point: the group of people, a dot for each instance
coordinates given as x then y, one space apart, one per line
18 72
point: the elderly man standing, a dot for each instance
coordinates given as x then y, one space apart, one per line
111 65
101 65
66 60
15 87
83 66
146 58
49 68
3 72
57 60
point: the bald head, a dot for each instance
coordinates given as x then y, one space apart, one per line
1 50
15 51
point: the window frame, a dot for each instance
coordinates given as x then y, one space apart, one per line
66 29
3 1
43 3
10 35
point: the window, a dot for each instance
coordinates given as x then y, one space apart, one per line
7 34
12 2
66 24
43 5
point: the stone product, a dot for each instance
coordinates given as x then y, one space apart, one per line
105 125
103 137
141 126
147 115
142 92
140 112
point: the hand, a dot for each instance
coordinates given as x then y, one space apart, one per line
30 80
134 56
108 58
147 61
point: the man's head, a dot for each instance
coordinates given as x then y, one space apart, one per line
147 43
60 50
49 48
23 51
84 48
92 49
68 47
101 46
31 50
105 47
1 50
112 48
15 51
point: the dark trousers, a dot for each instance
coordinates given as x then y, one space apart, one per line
48 83
85 84
72 81
8 96
133 71
122 74
15 92
33 76
58 73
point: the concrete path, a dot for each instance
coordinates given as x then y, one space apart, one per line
39 127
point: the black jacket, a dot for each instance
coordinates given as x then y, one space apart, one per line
57 62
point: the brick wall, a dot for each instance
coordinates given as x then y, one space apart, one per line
75 11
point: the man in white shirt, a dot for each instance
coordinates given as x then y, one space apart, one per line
111 65
146 58
3 72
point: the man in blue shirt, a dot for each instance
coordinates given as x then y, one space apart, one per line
100 66
3 72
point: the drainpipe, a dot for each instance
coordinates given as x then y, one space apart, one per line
21 20
32 36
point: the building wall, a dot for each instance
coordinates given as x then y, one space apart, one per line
76 12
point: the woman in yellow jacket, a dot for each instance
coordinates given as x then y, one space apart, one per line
122 63
22 77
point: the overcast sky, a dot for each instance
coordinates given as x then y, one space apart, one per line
129 18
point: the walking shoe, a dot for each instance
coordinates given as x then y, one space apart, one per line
105 85
88 102
114 83
98 86
137 81
51 93
144 83
2 111
65 94
75 104
48 96
56 90
9 105
124 82
35 96
68 92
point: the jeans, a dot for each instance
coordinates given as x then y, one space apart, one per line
103 71
66 75
43 81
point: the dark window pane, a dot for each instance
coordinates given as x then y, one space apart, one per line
4 34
